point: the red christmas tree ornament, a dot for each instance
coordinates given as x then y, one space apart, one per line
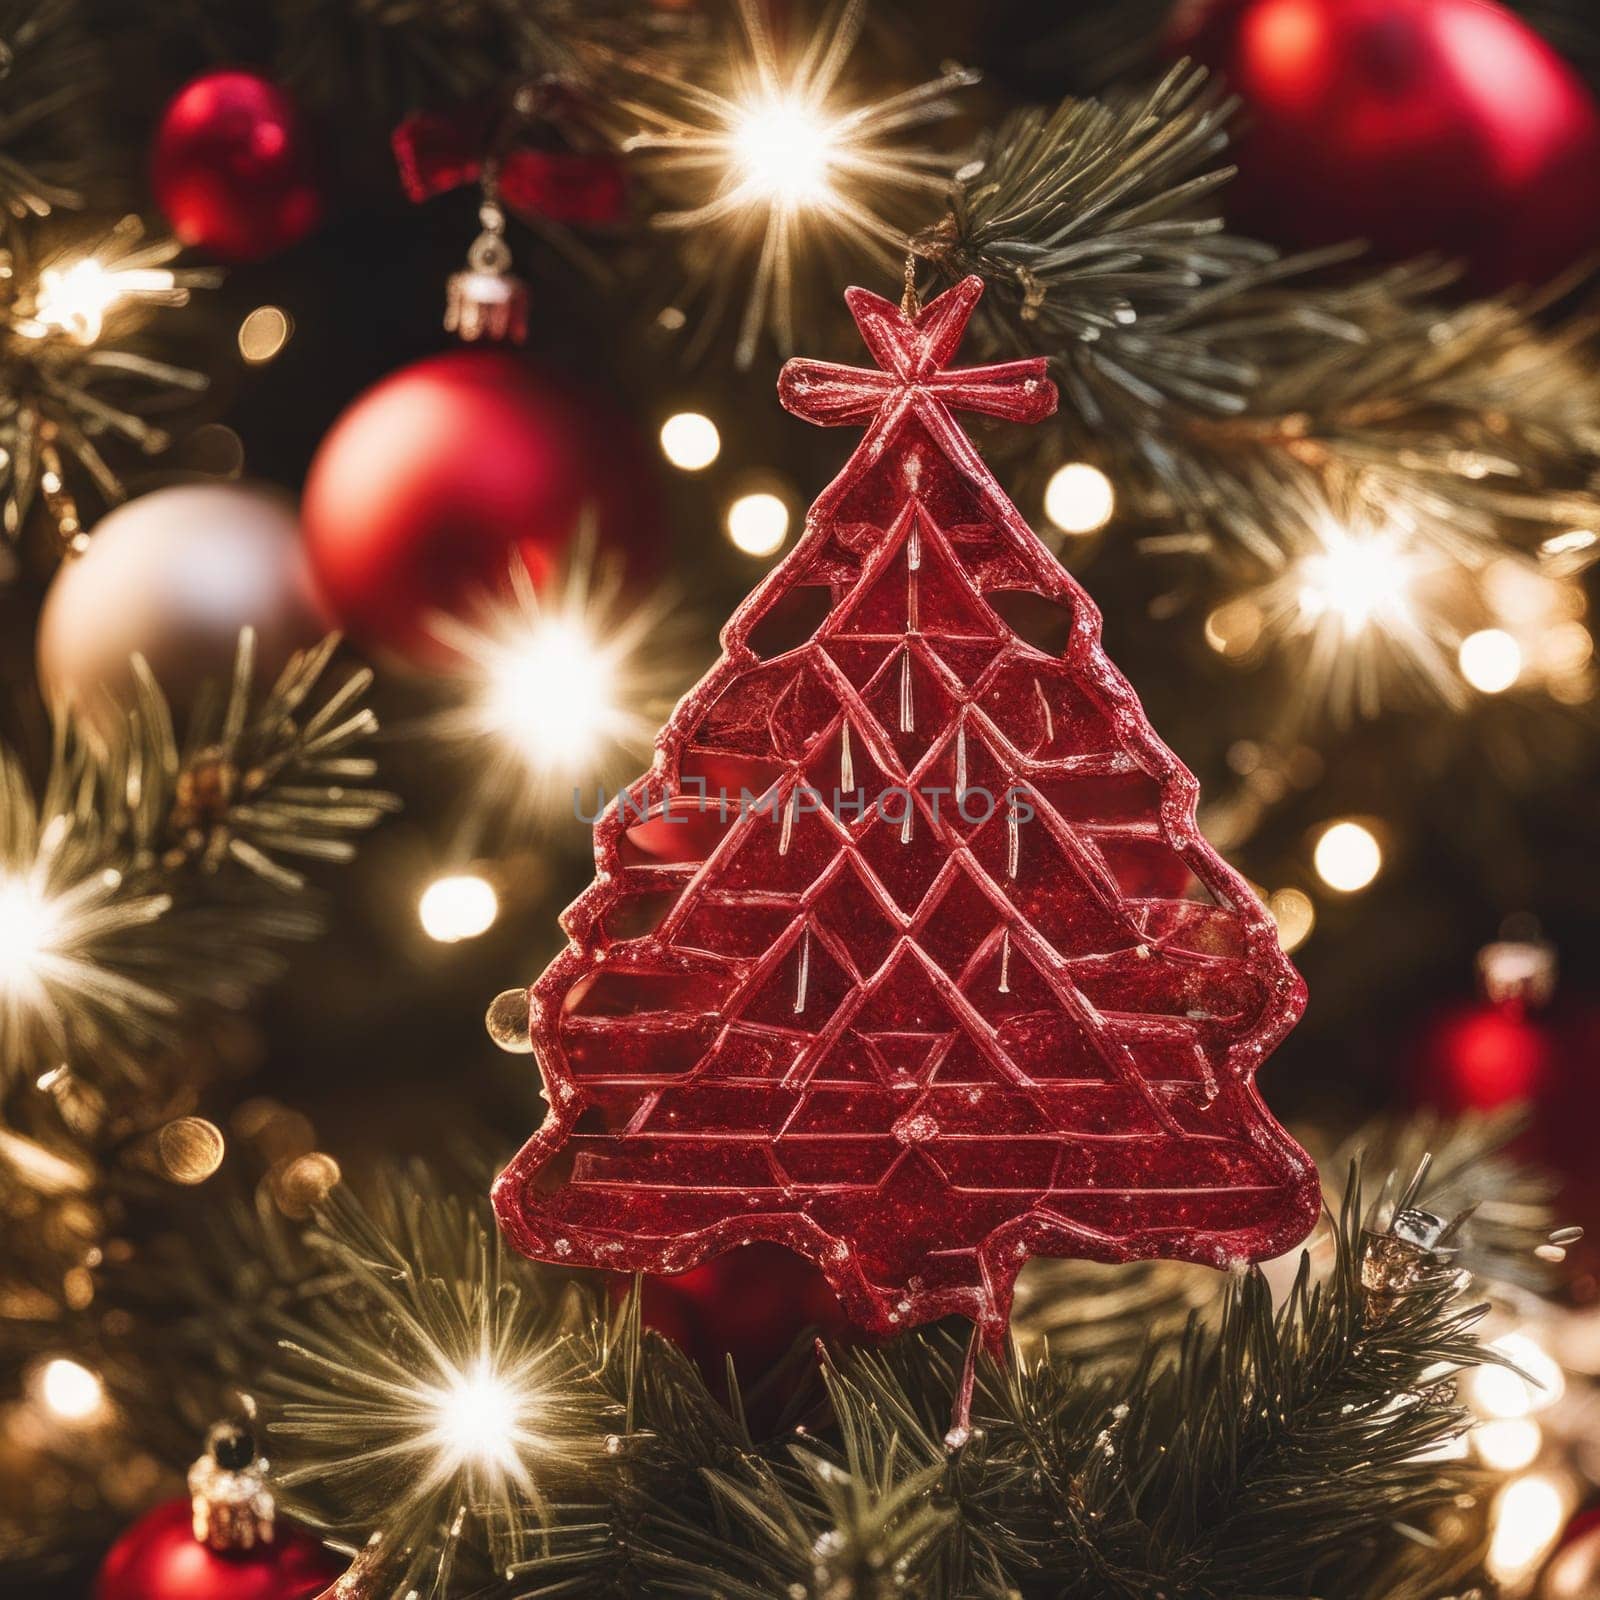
1498 1050
962 982
751 1304
1447 126
1574 1571
435 480
232 168
224 1542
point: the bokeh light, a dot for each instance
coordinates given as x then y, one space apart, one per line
690 441
783 152
1508 1444
1491 660
264 333
76 299
69 1390
1234 628
476 1418
1079 498
458 906
30 924
1295 914
1527 1519
1357 580
1347 857
552 693
1497 1391
758 523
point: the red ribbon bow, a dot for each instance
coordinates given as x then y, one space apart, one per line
436 153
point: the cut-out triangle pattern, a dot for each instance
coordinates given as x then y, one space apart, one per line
907 952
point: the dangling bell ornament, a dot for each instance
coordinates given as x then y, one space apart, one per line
488 300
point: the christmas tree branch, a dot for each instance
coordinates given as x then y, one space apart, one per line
1090 222
385 59
78 388
51 74
1277 1447
1472 428
1277 1442
443 1393
1271 1442
1230 385
155 876
147 887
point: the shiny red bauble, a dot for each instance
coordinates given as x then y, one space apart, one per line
439 477
753 1304
159 1558
232 167
1442 126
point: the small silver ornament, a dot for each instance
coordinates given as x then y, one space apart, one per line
488 300
1518 972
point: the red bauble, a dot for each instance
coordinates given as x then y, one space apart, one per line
436 479
159 1558
1574 1571
1480 1056
1417 125
750 1304
232 168
1001 998
1513 1047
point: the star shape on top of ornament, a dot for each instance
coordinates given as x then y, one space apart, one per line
907 952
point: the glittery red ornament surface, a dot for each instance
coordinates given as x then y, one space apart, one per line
907 952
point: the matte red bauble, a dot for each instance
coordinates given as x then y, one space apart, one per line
232 168
1417 125
159 1558
1499 1050
1483 1055
435 480
751 1304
